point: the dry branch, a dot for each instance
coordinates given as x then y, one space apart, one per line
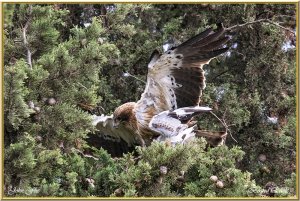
24 32
259 21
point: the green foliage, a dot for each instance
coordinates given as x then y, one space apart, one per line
76 125
146 177
220 162
23 151
9 11
16 109
291 183
79 54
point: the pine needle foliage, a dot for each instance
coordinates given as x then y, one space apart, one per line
65 62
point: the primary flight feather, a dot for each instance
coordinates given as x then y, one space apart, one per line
175 82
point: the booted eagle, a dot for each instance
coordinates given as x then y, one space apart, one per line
175 82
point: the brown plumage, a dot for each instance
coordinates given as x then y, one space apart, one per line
125 114
175 80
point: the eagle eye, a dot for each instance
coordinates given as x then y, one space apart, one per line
122 118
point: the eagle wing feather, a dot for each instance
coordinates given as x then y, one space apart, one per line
176 78
105 128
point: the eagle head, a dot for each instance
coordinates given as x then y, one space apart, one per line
125 115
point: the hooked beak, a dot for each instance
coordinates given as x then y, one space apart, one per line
115 124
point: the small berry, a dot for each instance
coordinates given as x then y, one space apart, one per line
51 101
37 109
163 170
181 173
262 157
220 184
119 192
38 138
31 105
265 169
214 178
100 40
61 145
83 41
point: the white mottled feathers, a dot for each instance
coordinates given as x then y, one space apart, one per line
172 125
105 125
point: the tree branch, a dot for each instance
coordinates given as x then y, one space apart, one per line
282 27
259 21
220 74
24 31
85 155
223 122
288 16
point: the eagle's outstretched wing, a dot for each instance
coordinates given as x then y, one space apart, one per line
104 125
176 78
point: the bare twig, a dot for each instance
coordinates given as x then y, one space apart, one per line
24 31
126 74
222 73
244 57
259 21
82 85
282 27
224 115
288 16
224 124
245 24
86 155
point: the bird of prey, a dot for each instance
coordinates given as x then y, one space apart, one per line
175 82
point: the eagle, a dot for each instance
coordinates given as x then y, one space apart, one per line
170 101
